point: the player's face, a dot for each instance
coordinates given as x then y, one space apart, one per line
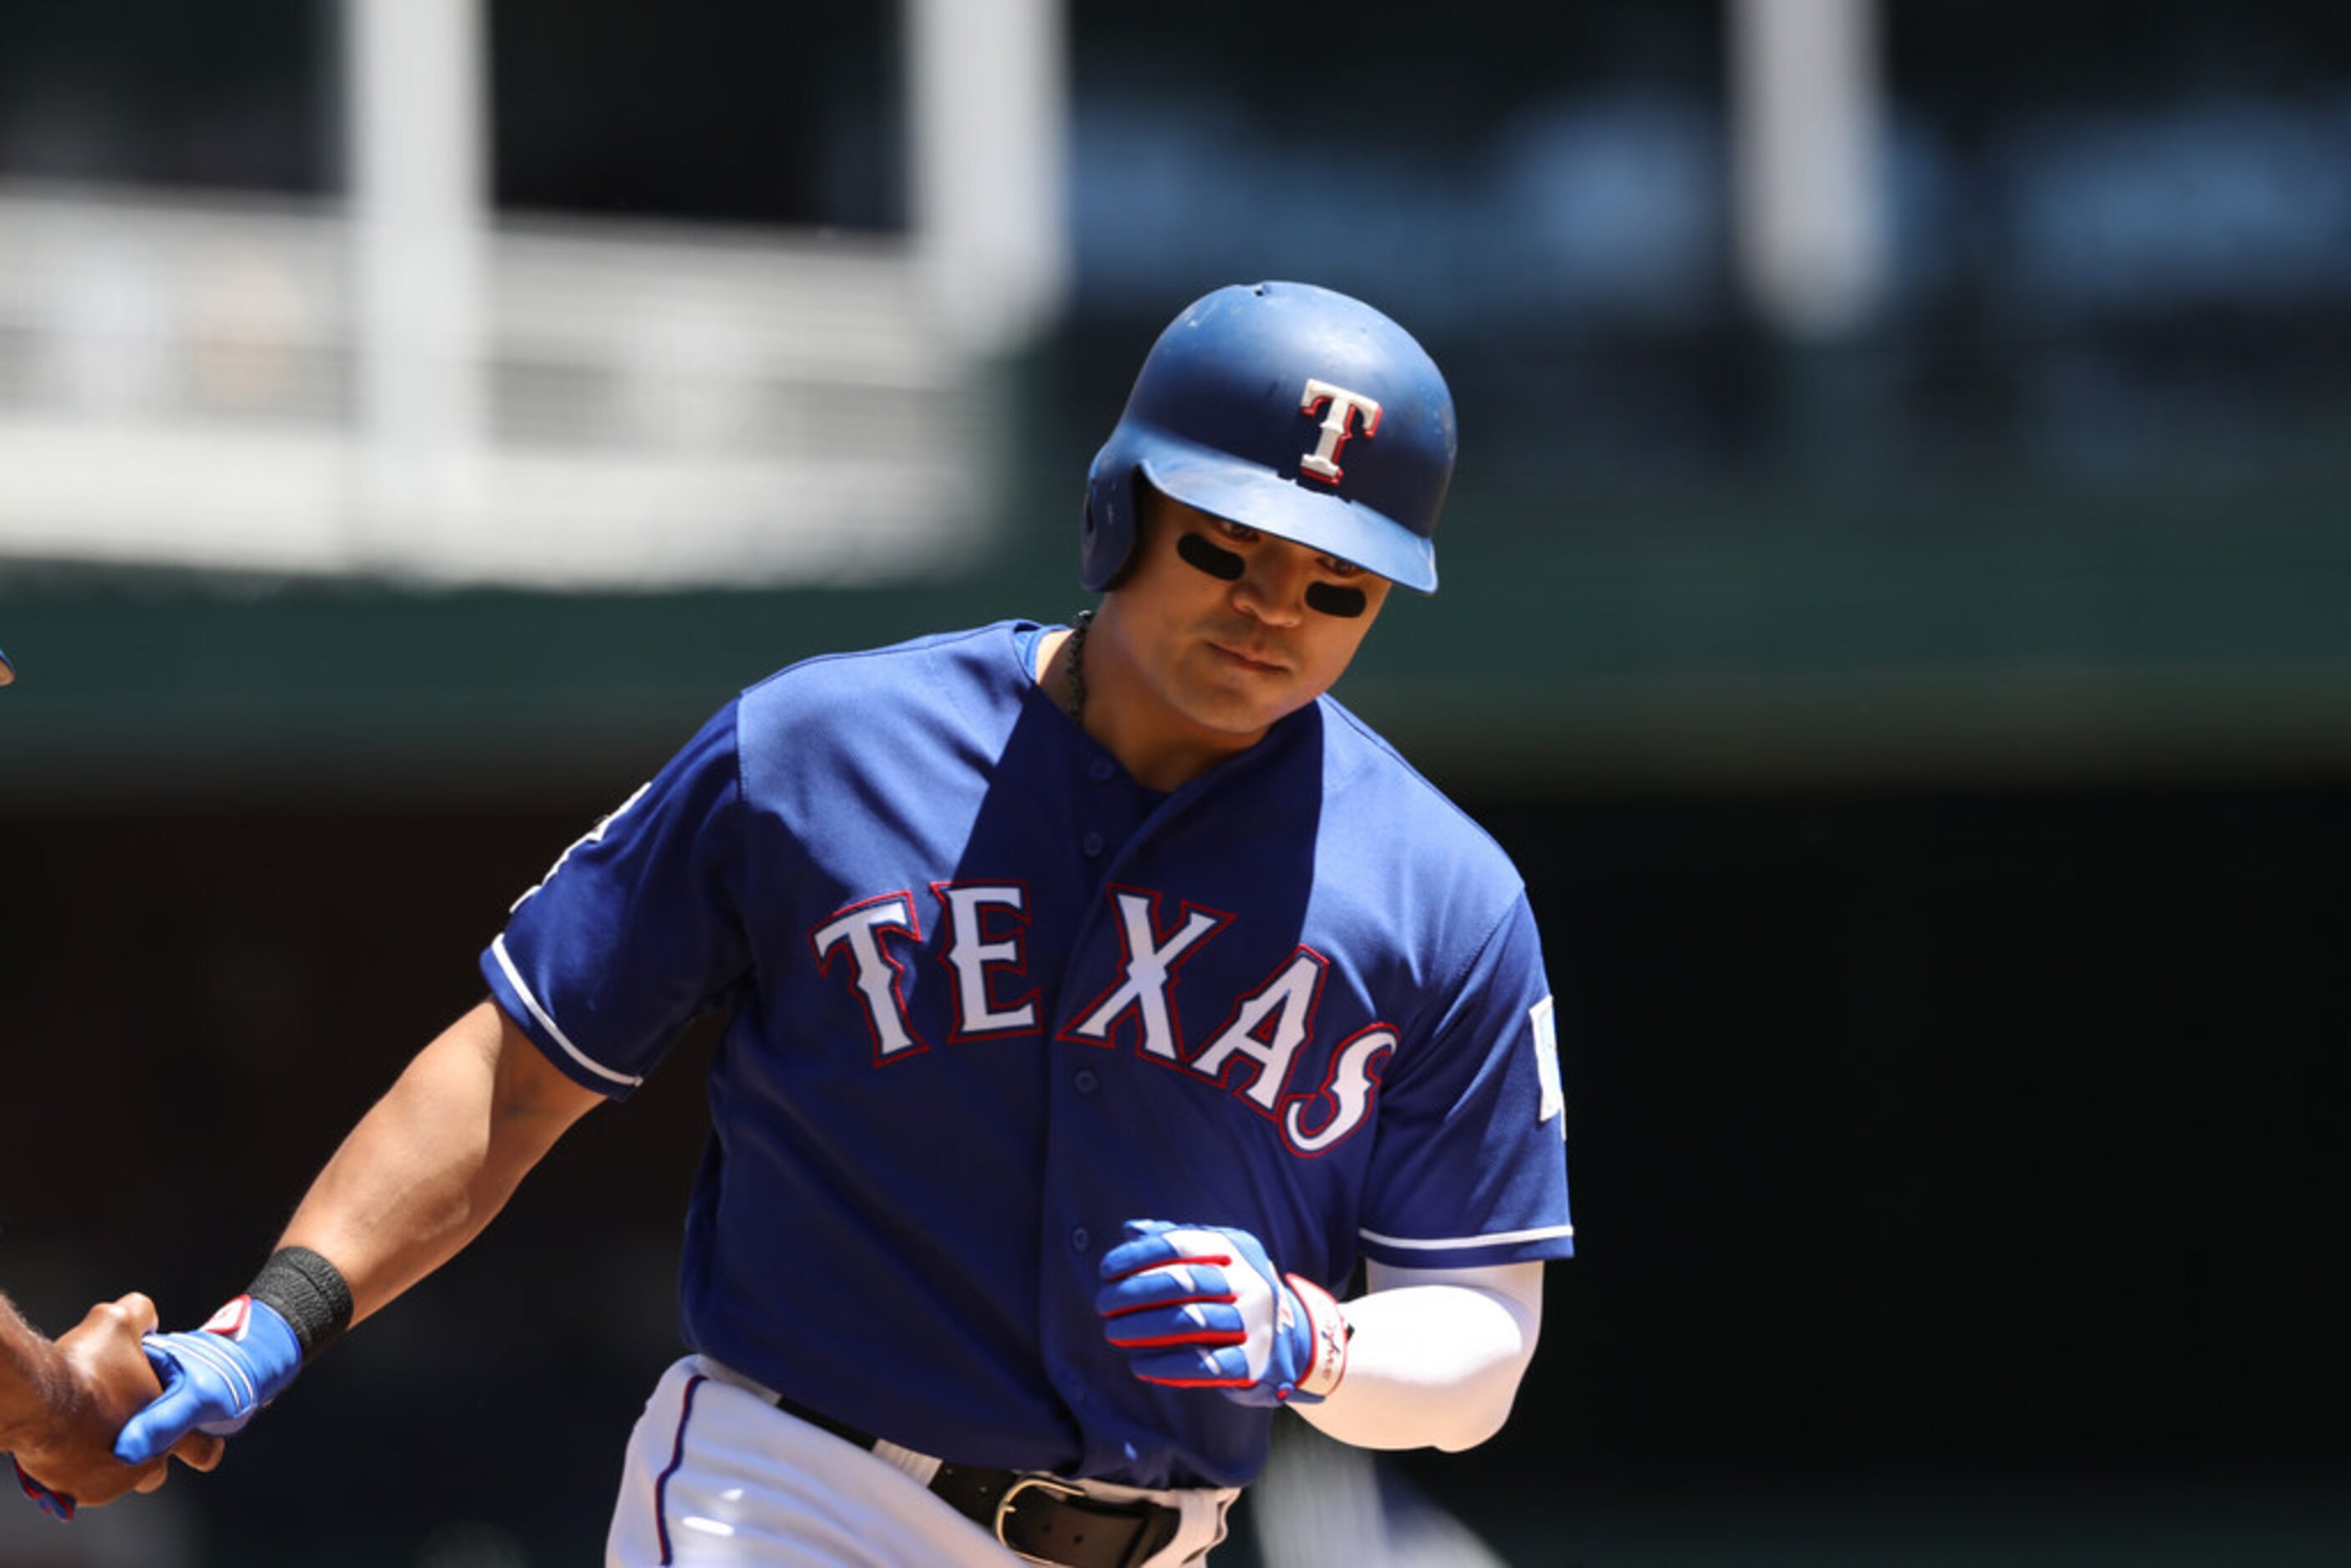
1221 658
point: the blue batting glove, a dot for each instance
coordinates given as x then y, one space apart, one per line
1201 1306
214 1379
55 1504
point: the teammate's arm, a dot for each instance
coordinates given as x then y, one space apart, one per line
1435 1357
32 1379
420 1177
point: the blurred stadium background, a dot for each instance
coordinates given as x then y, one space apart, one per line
1897 610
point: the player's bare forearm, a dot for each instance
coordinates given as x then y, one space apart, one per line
1435 1357
436 1158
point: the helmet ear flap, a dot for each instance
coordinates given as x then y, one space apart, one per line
1108 548
1089 542
1137 489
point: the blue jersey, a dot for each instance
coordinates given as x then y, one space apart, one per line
989 997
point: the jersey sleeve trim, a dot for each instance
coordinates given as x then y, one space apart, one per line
1462 1243
554 1032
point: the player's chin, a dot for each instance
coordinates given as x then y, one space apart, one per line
1245 702
1248 720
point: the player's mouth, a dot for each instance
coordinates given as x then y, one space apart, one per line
1246 659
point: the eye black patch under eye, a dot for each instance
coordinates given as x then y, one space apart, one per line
1214 559
1331 599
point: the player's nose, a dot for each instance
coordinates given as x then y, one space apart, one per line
1272 588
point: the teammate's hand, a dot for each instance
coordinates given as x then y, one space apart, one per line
1201 1306
69 1463
214 1379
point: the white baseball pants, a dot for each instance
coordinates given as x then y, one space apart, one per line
716 1477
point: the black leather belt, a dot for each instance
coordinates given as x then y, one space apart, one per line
1035 1514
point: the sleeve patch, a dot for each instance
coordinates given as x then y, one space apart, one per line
1546 1043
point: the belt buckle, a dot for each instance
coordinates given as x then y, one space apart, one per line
1051 1485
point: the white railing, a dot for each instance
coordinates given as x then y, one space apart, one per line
659 408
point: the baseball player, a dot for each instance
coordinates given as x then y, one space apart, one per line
8 670
61 1405
1098 998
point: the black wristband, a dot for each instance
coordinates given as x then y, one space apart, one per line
309 1292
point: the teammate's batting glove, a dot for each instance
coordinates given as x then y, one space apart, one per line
1201 1306
214 1379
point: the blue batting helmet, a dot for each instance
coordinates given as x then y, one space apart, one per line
1286 408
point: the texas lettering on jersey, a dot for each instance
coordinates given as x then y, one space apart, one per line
1253 1055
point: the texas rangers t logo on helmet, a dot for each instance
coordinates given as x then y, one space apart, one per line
1323 461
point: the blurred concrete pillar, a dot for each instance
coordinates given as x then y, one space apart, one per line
417 171
1806 124
988 92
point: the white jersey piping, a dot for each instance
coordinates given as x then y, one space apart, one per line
514 977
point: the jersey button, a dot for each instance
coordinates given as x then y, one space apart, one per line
1091 843
1102 768
1086 1081
1081 1239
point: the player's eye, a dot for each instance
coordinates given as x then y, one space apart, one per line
1239 533
1334 567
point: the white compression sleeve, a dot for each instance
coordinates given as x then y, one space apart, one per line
1436 1358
